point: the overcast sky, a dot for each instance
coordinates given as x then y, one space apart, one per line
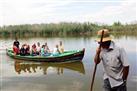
14 12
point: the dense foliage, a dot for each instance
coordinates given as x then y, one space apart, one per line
65 29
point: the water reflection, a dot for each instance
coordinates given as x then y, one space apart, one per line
33 67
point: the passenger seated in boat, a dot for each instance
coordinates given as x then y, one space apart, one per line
38 48
46 44
22 50
15 49
42 50
61 47
46 47
47 50
34 50
27 50
56 51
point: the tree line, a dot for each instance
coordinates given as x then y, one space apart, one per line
65 29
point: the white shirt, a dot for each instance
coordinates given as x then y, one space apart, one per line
55 50
38 48
113 61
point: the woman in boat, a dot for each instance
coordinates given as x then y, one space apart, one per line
38 48
22 50
56 51
42 50
34 50
27 50
47 51
61 47
47 48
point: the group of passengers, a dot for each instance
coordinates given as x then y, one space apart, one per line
37 49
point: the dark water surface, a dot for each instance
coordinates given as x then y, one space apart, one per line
16 75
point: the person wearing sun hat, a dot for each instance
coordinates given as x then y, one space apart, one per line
115 62
106 36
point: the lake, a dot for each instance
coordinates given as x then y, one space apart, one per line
19 75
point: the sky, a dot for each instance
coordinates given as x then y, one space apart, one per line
15 12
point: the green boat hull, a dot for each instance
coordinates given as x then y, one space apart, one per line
67 56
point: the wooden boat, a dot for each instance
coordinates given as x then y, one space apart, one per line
67 56
33 67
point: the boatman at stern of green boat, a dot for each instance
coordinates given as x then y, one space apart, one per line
115 63
16 46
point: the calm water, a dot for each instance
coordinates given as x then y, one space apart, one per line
18 75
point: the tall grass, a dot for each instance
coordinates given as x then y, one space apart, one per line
64 29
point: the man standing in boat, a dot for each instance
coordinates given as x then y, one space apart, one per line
115 63
16 43
16 46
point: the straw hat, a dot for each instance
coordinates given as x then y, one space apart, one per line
106 36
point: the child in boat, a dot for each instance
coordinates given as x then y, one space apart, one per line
61 47
34 50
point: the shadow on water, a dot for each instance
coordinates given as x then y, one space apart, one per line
29 67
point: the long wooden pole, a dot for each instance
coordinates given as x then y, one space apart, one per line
95 68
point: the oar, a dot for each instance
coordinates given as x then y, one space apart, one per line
95 68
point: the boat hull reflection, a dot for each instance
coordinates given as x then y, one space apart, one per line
33 67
